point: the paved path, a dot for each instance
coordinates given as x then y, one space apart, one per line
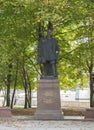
23 123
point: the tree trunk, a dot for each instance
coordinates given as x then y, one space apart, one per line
15 84
25 87
92 90
26 84
91 85
29 91
26 105
8 85
8 90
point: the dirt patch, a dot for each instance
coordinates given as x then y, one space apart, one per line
67 111
22 111
74 111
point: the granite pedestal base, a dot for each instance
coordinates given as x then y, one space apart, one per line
5 112
89 113
48 100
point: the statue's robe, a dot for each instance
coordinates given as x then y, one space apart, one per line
47 50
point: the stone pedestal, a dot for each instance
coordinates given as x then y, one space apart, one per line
5 112
89 113
48 100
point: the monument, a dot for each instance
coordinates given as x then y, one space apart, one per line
48 94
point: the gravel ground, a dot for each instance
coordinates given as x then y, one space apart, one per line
26 123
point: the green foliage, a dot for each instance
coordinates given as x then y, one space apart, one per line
73 23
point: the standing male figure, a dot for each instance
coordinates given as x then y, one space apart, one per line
48 50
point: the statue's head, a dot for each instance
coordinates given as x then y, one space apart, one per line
49 33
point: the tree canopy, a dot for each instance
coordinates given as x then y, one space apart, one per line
73 23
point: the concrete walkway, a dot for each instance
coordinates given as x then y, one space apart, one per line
27 123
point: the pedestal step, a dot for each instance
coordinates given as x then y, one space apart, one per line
89 113
48 115
5 112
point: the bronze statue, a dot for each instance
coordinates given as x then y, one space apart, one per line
48 55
